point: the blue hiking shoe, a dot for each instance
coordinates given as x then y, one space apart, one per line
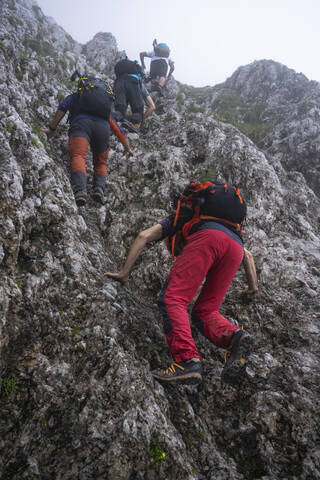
187 372
236 358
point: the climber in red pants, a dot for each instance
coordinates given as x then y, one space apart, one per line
213 251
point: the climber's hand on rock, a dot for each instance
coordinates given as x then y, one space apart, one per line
249 291
119 277
48 132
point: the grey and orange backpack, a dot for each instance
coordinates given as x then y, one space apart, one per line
220 202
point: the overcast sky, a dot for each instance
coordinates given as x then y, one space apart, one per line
208 39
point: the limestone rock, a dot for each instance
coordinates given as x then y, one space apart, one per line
279 109
77 398
102 52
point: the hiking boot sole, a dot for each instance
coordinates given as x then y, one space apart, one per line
97 198
81 202
234 370
80 197
129 127
189 378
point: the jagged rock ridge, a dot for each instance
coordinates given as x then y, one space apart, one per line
77 398
277 108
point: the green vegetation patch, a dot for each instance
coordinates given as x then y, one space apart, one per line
247 118
198 94
19 74
193 108
14 21
230 107
60 96
169 118
193 437
35 142
70 39
207 175
304 107
37 129
156 452
10 127
40 46
159 108
75 330
23 55
256 131
10 385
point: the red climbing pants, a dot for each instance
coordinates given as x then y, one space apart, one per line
211 255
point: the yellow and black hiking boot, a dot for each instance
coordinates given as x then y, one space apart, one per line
236 358
80 197
187 372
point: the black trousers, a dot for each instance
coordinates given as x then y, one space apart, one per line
127 92
158 68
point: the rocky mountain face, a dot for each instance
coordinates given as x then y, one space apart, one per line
278 109
77 398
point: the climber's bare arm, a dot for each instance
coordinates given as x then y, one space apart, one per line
251 274
171 69
146 236
142 55
150 107
58 116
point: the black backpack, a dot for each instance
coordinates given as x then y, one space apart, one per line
125 66
140 70
94 97
221 202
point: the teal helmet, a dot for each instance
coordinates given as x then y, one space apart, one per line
163 45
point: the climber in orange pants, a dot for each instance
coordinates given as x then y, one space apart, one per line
87 129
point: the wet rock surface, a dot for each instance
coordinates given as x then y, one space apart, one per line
77 397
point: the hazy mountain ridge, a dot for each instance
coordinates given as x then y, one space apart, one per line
77 398
276 107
